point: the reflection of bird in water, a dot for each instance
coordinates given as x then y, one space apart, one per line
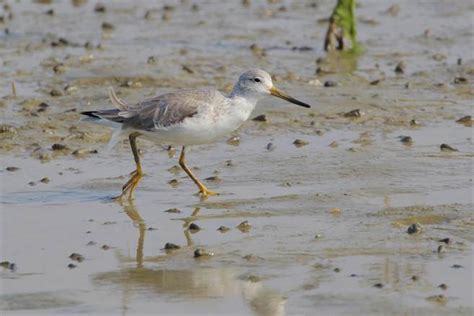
191 283
187 221
185 118
132 212
263 301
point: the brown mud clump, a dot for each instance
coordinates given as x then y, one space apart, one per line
300 143
353 114
76 257
244 227
171 246
194 228
200 252
465 120
223 229
415 229
260 118
447 148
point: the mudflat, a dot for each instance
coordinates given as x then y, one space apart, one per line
329 194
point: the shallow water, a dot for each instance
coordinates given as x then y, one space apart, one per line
355 185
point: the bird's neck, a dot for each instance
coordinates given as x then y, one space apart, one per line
244 101
242 106
242 96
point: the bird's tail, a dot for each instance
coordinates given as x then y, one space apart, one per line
110 118
105 117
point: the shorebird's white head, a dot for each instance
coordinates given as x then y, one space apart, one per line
257 83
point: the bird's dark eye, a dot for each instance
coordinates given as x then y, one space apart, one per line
257 80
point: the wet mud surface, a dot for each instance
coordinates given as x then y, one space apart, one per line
329 194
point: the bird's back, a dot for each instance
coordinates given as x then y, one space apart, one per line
159 112
169 109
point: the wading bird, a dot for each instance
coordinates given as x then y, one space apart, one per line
185 118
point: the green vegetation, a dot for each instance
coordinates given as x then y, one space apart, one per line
342 24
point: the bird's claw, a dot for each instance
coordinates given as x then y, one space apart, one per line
206 193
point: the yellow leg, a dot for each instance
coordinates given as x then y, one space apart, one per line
129 187
205 192
132 212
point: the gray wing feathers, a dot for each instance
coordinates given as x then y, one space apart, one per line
166 110
159 112
119 104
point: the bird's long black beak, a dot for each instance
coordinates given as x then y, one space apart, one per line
282 95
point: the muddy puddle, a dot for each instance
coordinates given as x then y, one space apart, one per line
327 222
